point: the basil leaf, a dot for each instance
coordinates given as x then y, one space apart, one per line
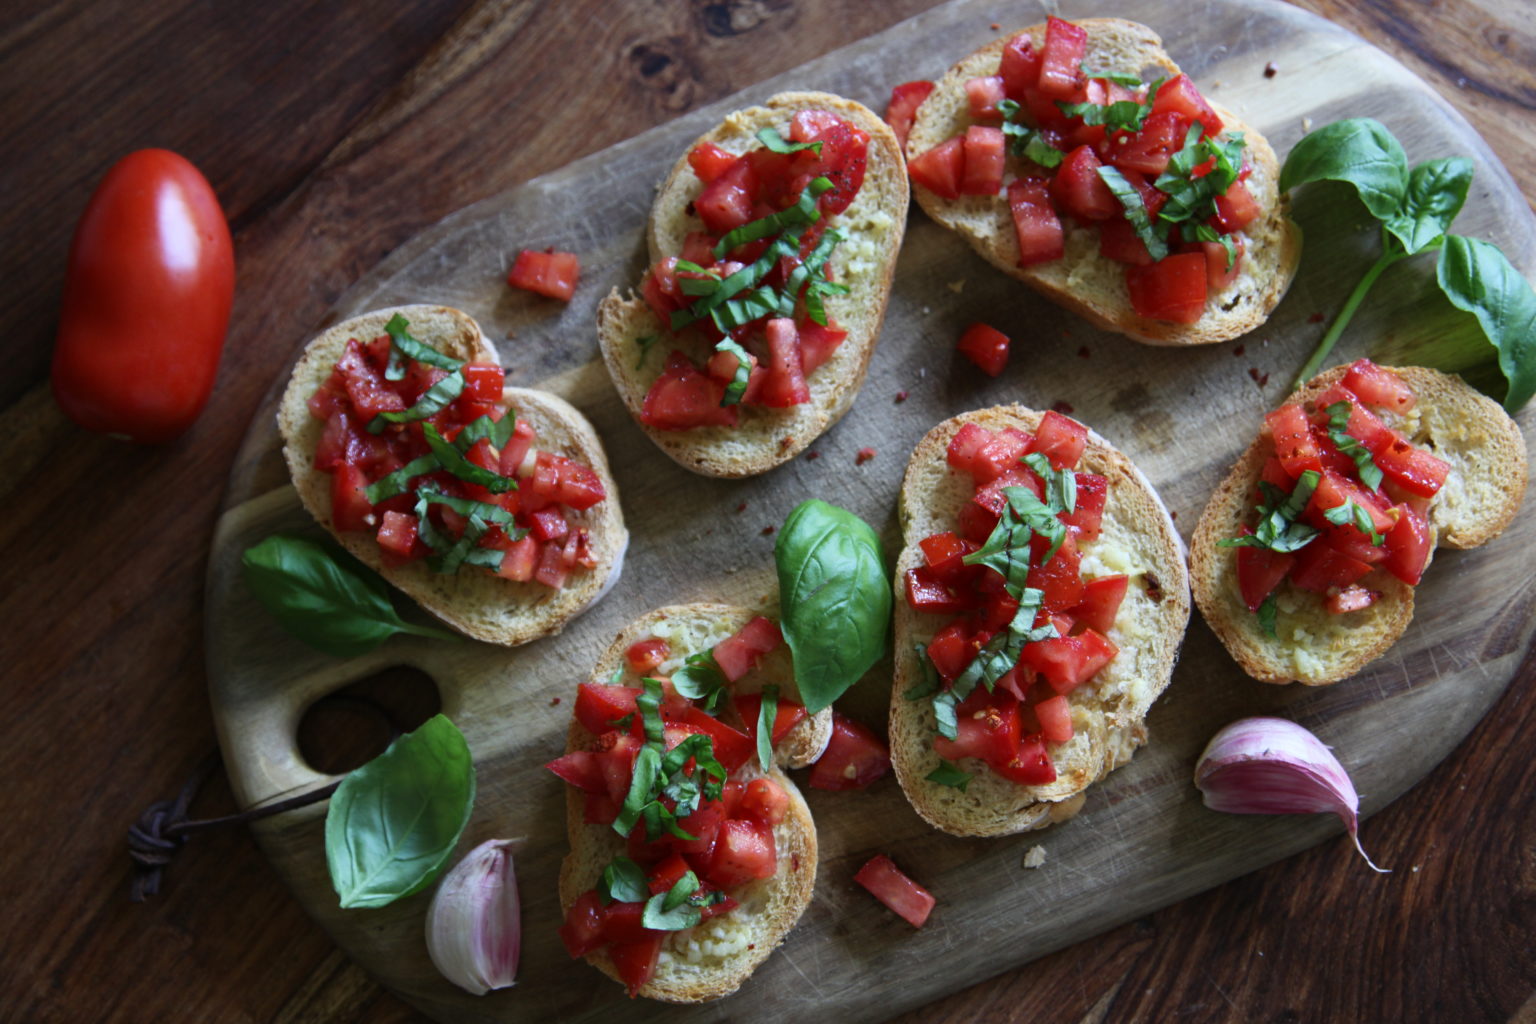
1060 484
1351 514
399 482
1267 613
647 766
403 346
1040 151
1133 81
1122 115
437 398
767 712
449 561
834 599
1135 210
947 774
454 462
623 880
771 138
670 911
468 507
1359 151
1478 278
788 244
749 306
649 703
485 428
944 713
1435 194
929 684
324 596
700 679
803 212
393 823
1278 528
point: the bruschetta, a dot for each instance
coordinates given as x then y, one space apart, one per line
492 507
1305 560
681 882
772 246
1077 158
1041 597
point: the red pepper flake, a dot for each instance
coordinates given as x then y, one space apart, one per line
553 701
785 442
1065 408
1083 352
901 396
1258 378
1172 514
864 455
1315 318
994 26
742 507
1239 350
767 530
812 456
1271 69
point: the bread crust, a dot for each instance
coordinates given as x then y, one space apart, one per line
1108 713
764 437
1083 281
477 603
1479 500
770 907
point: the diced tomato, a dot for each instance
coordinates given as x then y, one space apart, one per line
1259 572
744 851
844 155
986 727
1067 662
900 894
1019 67
704 825
1319 567
983 95
765 802
945 554
1031 766
1079 190
1408 546
739 654
636 961
854 757
350 509
1334 490
369 393
1221 271
1035 223
984 155
1413 469
1061 439
1060 579
616 756
661 291
966 445
517 448
1092 492
732 747
985 346
1178 95
1100 603
709 161
817 343
1172 289
520 560
1351 599
1119 241
927 593
667 873
1055 716
1295 446
643 656
941 169
1237 209
1150 149
902 109
1002 453
1378 386
598 707
547 273
950 650
582 931
581 769
785 385
1061 58
727 201
397 537
683 398
992 497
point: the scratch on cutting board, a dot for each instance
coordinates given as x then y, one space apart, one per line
815 988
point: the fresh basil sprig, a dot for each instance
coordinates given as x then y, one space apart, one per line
834 599
1415 209
393 823
324 596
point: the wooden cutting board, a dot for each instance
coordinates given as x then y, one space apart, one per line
1144 840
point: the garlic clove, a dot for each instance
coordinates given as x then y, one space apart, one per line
1265 765
474 926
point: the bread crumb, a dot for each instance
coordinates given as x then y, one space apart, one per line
1035 856
1306 124
956 286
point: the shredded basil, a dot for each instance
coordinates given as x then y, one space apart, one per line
1280 528
771 138
437 398
1267 613
649 703
947 774
1133 81
738 385
403 347
803 212
646 342
1122 115
930 683
1338 420
451 458
1135 210
399 481
1352 514
1024 140
766 715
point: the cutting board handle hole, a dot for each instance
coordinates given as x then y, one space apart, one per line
351 726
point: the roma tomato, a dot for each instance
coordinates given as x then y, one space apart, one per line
147 294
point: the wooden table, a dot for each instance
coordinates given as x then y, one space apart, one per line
333 133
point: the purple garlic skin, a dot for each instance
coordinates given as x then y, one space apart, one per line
474 926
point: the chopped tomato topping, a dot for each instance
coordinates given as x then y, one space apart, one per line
902 109
1035 223
983 156
942 169
854 757
548 273
887 884
1172 289
985 346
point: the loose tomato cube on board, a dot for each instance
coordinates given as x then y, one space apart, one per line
548 273
985 346
887 884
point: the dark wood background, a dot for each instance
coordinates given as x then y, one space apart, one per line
332 133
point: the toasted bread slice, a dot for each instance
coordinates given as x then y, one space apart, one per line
1138 539
714 958
865 261
1085 282
473 601
1479 499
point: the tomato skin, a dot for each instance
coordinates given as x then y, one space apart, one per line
147 295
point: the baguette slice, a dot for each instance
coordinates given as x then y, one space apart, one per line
865 261
1082 280
473 601
769 907
1109 712
1479 499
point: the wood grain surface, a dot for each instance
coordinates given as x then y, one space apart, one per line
310 121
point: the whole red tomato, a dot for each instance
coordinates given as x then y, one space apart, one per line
146 300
